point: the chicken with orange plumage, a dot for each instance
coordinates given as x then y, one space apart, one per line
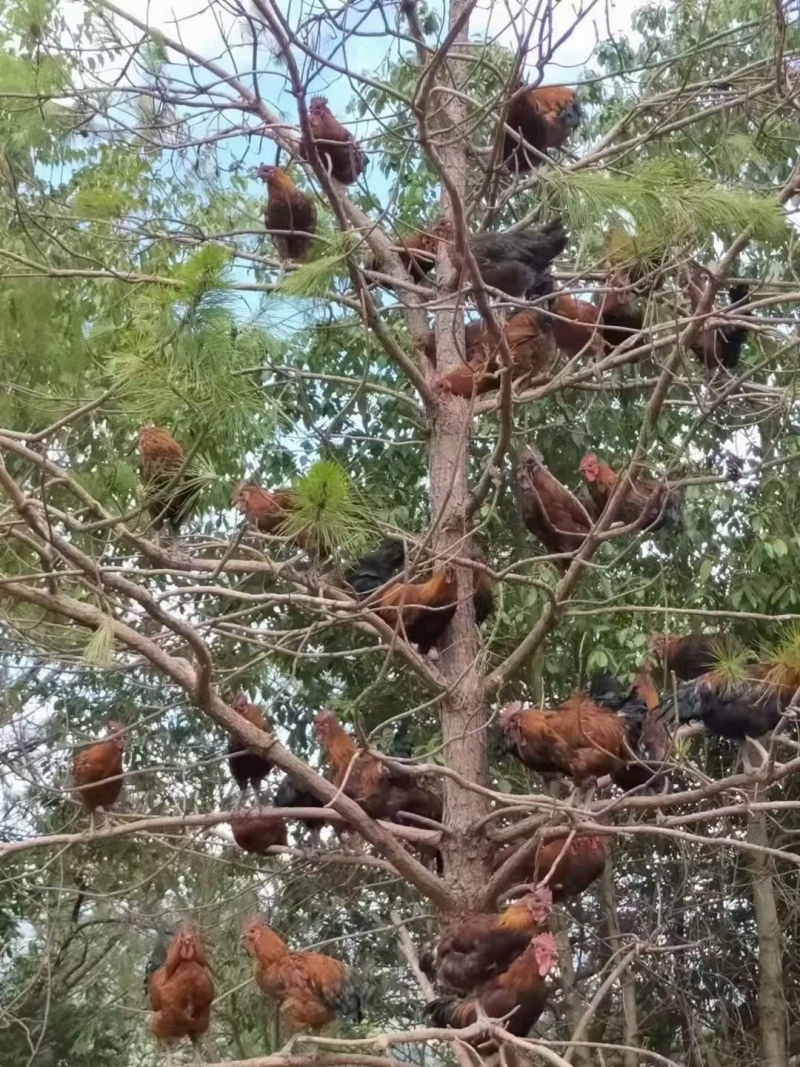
549 510
247 768
311 989
517 996
289 215
569 867
647 502
580 739
420 611
530 341
97 772
544 118
338 152
258 831
575 325
167 486
180 992
382 789
685 655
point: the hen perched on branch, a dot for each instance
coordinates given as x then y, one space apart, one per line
246 767
384 790
648 503
519 263
287 209
312 989
97 771
420 610
476 949
520 993
530 342
258 831
569 868
719 345
168 491
544 118
549 510
575 325
291 795
735 709
338 151
580 739
686 656
180 993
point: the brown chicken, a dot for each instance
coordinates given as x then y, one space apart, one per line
312 989
719 345
686 656
267 512
382 789
257 831
519 992
180 992
417 253
549 510
419 610
476 949
95 764
287 209
579 739
575 326
569 872
621 312
168 489
544 118
338 151
248 769
649 503
530 341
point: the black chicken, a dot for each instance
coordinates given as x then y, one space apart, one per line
519 263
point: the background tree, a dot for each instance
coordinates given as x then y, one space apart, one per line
138 285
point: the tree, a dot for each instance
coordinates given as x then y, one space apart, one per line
139 285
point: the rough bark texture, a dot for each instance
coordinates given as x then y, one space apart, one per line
463 711
771 994
630 1018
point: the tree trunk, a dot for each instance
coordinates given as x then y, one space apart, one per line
771 994
630 1019
463 711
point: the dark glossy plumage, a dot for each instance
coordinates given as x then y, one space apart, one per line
519 263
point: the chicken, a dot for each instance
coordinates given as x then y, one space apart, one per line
290 210
168 489
246 767
312 989
575 326
290 795
519 263
736 710
621 313
719 345
531 344
648 503
686 656
338 151
417 253
180 993
92 768
579 739
422 611
519 992
268 512
570 871
549 510
544 118
257 831
477 948
654 741
383 790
